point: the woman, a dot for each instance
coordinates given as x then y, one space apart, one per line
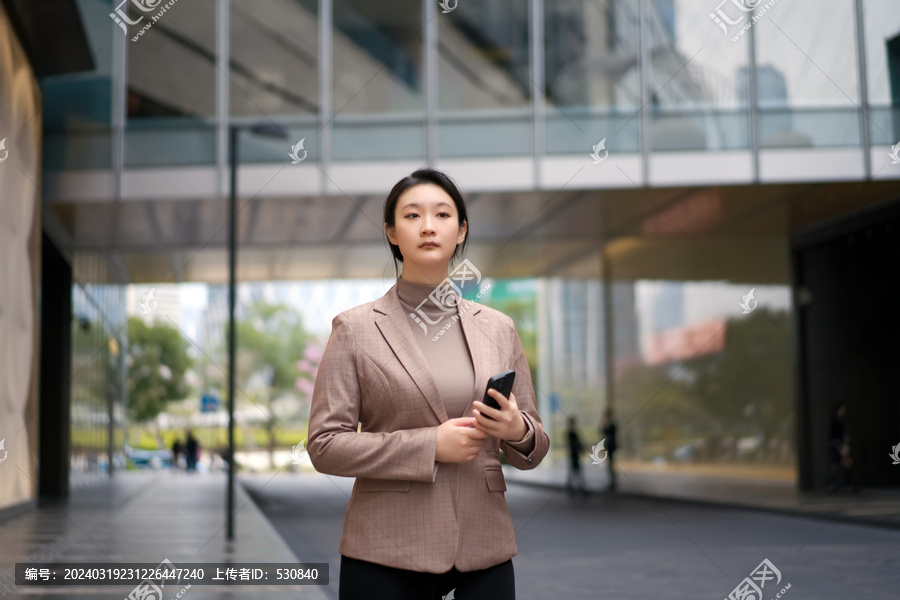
427 517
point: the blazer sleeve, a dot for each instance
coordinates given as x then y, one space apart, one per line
334 445
522 454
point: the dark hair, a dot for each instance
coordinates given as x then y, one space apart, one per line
420 177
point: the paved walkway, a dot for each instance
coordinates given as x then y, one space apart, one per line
612 547
868 506
146 516
631 544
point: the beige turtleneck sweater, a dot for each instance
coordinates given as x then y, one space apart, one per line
448 356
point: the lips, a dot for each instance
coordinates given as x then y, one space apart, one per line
428 245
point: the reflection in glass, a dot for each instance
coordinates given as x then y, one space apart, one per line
172 67
98 315
484 56
171 83
274 66
711 385
592 73
484 80
377 50
378 69
882 37
697 79
807 84
77 108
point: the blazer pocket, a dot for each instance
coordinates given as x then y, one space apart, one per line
382 485
495 479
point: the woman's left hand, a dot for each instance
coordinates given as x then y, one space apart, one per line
508 423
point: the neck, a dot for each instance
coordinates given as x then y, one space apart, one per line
429 277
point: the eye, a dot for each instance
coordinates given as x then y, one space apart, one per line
444 214
411 215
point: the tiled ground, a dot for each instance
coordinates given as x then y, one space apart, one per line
609 546
145 517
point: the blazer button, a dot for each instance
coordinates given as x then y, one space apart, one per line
529 460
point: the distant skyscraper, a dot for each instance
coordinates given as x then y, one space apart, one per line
668 306
771 89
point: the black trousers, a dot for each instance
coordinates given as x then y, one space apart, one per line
363 580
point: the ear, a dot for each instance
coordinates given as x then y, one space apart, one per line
389 231
463 231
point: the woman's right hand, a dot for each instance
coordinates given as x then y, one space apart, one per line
458 441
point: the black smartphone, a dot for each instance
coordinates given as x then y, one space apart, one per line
503 383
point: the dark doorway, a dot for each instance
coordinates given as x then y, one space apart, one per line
893 60
847 282
56 360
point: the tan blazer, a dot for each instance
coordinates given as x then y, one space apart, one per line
406 510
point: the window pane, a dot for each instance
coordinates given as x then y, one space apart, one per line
484 88
483 56
697 79
592 74
807 80
77 114
274 67
710 385
172 85
882 31
172 65
378 68
378 57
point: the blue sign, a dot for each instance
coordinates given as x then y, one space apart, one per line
209 404
554 403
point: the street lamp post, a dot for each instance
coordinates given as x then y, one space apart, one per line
268 130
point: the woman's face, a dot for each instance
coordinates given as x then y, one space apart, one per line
426 227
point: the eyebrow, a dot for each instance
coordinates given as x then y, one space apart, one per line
415 205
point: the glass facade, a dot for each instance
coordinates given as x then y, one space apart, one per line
485 82
695 380
807 79
171 110
592 74
77 107
696 80
99 342
648 76
698 386
378 96
274 64
709 386
881 23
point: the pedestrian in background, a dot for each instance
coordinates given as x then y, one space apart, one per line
192 451
575 450
841 462
177 449
608 431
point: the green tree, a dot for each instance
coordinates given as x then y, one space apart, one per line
271 340
157 361
747 388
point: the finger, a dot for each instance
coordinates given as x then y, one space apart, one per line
480 434
475 433
488 428
462 421
484 409
500 398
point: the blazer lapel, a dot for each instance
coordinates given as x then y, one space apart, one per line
480 346
393 322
